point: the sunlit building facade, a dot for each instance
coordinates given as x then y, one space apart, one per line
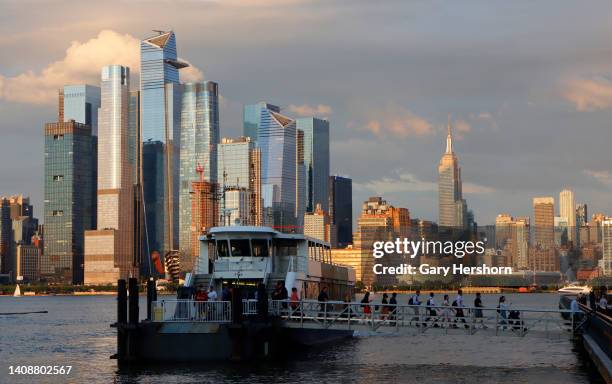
252 118
199 139
277 142
109 250
567 210
80 103
543 250
160 110
239 168
452 208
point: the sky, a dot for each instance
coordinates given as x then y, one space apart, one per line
528 86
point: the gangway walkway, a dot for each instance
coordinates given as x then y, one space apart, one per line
415 319
383 319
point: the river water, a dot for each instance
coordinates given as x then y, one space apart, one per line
76 332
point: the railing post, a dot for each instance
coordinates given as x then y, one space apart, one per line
496 322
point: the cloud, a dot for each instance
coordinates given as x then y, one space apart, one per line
308 110
461 128
404 182
81 63
407 182
604 177
476 188
397 121
589 94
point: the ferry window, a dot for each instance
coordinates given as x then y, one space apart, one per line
240 248
222 248
286 247
260 247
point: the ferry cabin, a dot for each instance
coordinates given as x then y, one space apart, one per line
249 255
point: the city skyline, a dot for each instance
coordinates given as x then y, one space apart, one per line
551 137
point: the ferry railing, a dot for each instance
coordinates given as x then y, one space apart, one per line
249 307
505 320
192 311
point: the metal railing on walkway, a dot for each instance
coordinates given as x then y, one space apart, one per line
191 310
375 317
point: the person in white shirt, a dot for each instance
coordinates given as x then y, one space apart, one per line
458 304
212 294
416 301
603 303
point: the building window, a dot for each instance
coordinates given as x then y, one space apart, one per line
57 213
58 177
58 137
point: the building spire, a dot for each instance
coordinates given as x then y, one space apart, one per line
449 137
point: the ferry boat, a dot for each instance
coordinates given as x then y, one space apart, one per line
246 256
240 327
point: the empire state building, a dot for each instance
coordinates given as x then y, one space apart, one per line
452 208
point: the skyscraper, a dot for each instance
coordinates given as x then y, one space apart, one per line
567 209
277 141
606 235
544 237
316 161
160 108
17 226
109 250
380 221
239 168
80 103
318 225
452 208
199 139
70 152
252 118
341 208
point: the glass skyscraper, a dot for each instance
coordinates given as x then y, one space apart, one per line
81 103
160 126
199 139
70 151
109 250
341 208
252 118
276 138
316 161
239 168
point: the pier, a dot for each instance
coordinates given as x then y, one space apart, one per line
192 331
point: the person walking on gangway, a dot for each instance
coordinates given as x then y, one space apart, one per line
478 316
459 314
365 304
502 309
432 313
393 306
446 311
323 299
415 302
